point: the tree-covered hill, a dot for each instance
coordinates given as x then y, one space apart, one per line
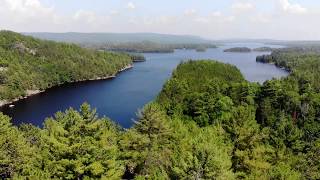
263 49
207 123
303 63
238 49
28 64
272 130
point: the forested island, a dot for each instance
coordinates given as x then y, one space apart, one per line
201 49
29 65
147 47
245 49
238 49
208 122
263 49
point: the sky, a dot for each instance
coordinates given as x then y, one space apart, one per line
213 19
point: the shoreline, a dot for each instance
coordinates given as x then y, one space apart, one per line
279 67
30 93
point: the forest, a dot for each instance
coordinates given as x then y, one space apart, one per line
238 49
246 50
28 64
208 122
263 49
148 47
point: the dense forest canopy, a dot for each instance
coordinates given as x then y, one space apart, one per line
303 62
147 47
263 49
207 123
246 49
238 49
28 64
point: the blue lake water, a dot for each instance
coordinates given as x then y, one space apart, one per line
121 97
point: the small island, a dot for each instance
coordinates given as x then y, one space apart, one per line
238 49
201 49
263 49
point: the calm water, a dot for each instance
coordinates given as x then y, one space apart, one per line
120 98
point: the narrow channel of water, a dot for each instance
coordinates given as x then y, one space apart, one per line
121 97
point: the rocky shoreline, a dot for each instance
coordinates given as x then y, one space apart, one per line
30 93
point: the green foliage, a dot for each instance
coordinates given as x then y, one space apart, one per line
72 145
272 127
18 158
200 153
198 91
31 64
147 144
149 46
207 123
79 145
137 57
238 49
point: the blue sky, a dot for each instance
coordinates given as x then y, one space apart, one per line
214 19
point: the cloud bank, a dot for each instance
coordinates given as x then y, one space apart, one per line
241 19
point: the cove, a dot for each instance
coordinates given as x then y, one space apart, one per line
121 97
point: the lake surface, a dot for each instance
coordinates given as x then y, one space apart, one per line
121 97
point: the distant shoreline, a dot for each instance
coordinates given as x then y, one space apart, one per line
30 93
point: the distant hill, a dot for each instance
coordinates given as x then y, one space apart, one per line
298 43
119 37
290 43
264 41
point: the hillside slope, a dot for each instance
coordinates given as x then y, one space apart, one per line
29 65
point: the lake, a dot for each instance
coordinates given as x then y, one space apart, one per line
121 97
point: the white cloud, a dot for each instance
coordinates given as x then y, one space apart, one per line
114 12
216 14
32 15
214 17
86 16
203 20
241 7
25 15
288 7
242 19
24 9
190 12
229 19
130 5
261 18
